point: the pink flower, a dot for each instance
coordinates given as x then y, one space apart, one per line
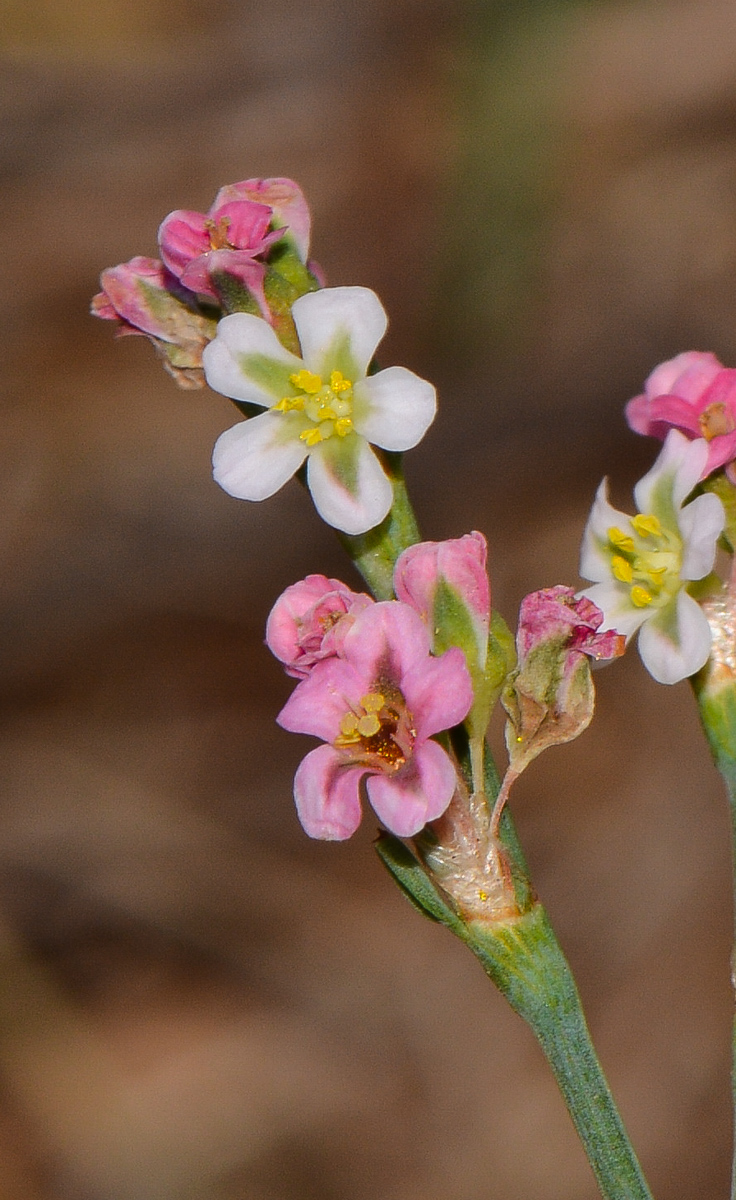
310 620
447 584
696 394
145 298
377 706
240 227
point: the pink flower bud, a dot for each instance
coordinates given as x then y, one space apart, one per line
446 582
309 622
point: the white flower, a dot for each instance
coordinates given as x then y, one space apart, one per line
321 407
640 565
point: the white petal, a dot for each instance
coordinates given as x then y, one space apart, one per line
256 457
349 487
675 642
619 613
595 561
394 409
246 361
678 468
701 524
339 329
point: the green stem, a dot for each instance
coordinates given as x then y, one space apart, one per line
524 960
718 713
375 552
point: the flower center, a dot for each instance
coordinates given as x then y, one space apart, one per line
648 560
715 420
328 407
218 231
377 732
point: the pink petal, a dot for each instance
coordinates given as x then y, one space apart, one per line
687 375
197 275
387 639
182 236
655 417
327 795
419 793
247 223
284 197
460 562
318 704
438 692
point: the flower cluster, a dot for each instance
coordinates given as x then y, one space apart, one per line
373 691
210 262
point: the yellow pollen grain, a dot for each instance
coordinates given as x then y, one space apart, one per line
619 539
647 524
622 569
306 381
640 597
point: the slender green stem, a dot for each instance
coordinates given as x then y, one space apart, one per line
718 714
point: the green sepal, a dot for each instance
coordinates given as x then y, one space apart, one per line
501 654
415 882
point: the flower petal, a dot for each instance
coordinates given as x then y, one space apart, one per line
318 704
246 361
674 475
439 692
388 639
417 794
595 559
284 197
686 375
676 641
327 795
182 236
339 329
349 487
612 598
256 457
394 409
701 524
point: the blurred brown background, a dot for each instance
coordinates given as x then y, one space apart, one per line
197 1003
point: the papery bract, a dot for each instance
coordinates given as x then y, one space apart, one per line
695 394
641 565
145 298
377 707
549 698
323 407
309 622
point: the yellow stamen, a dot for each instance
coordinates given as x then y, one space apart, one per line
311 436
349 725
306 381
373 702
715 420
622 569
343 427
619 539
339 383
640 597
646 524
369 725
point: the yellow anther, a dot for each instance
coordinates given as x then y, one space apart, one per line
349 725
325 413
306 381
311 436
647 524
289 404
619 539
373 702
368 725
715 420
622 569
338 382
343 427
640 597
